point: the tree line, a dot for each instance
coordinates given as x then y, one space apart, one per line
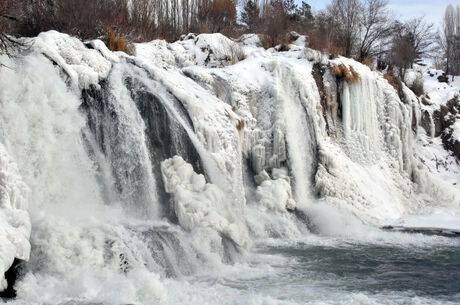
362 29
449 42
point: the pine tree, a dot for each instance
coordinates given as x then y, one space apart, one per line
250 14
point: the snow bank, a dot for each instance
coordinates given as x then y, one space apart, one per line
439 93
208 50
447 218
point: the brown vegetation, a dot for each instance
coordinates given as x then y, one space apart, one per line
240 125
117 42
391 79
284 47
218 15
395 81
343 72
368 61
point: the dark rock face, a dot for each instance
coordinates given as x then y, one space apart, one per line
318 72
443 78
449 114
165 133
414 122
426 122
438 123
442 120
11 276
167 137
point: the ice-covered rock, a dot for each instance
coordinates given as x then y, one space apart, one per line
276 194
83 65
200 204
14 220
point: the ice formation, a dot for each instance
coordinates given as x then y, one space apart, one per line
15 223
198 203
134 169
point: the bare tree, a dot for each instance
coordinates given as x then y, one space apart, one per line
321 36
411 42
345 17
423 36
218 14
449 40
10 14
403 53
143 15
251 14
273 23
376 28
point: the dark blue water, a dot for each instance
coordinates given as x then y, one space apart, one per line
425 272
354 273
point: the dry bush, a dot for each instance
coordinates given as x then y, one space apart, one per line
336 51
240 125
392 80
353 76
368 61
265 41
418 86
218 14
268 42
116 42
284 46
342 72
337 71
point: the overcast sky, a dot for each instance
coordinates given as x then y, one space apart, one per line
433 10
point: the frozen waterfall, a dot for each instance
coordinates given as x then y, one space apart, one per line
120 175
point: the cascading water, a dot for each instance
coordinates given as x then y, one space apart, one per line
161 179
298 99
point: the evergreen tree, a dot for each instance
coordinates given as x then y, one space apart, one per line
250 14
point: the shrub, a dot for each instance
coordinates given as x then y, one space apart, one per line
368 61
342 72
266 41
336 51
353 76
218 14
118 42
392 80
417 86
284 46
240 125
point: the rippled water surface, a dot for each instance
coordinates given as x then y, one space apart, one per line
326 271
